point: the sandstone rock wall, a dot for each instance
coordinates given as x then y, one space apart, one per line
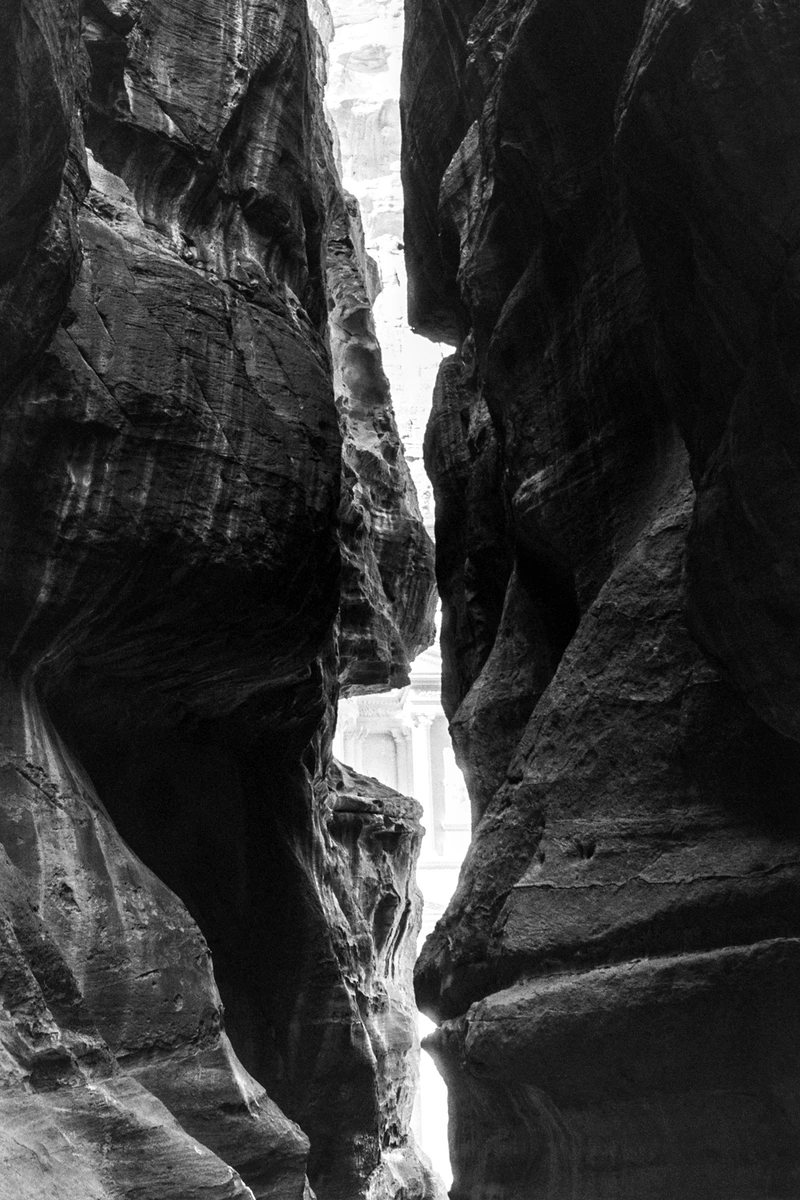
601 216
175 510
386 611
363 96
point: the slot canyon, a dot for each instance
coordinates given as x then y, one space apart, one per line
210 536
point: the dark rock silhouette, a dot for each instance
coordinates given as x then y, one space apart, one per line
601 215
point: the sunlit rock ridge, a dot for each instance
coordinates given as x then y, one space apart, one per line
601 216
206 529
363 96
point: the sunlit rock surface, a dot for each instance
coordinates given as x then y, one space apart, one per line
387 600
600 208
205 964
363 96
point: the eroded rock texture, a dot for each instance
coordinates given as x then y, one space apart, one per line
386 613
171 476
601 213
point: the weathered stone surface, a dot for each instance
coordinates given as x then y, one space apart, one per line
387 561
375 835
727 305
611 450
572 1085
473 561
633 785
106 949
362 94
435 111
170 561
42 175
387 597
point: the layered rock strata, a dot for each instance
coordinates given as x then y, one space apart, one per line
176 507
601 215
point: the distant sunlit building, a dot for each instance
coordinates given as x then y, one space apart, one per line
401 739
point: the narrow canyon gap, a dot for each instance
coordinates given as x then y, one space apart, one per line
208 533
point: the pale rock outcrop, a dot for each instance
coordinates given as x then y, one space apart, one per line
386 605
362 94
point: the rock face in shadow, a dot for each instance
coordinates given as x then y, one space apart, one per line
172 633
604 224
